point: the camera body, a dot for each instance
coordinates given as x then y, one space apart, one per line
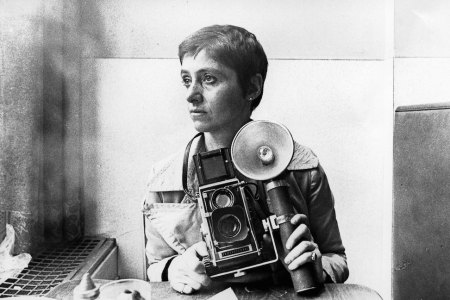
231 227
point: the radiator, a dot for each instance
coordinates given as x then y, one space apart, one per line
96 256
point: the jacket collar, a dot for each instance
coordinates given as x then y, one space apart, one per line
166 174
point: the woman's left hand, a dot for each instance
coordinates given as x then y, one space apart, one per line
302 248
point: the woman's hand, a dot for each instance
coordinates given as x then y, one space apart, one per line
186 272
302 248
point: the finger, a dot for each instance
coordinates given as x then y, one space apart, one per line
196 281
201 278
192 263
199 267
193 260
267 240
177 286
205 280
191 283
300 260
201 249
298 250
318 268
187 289
301 232
299 219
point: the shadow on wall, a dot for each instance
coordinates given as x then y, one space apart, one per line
94 45
45 129
71 40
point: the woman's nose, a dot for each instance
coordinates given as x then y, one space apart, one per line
194 93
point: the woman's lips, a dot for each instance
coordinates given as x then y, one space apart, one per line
197 112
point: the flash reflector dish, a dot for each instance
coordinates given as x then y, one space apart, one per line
261 150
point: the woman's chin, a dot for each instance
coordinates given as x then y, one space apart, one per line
202 126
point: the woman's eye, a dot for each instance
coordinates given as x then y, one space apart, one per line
186 81
209 79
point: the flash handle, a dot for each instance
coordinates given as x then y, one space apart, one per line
278 193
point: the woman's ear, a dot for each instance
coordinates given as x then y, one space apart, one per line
255 87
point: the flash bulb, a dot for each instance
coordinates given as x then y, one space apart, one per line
265 154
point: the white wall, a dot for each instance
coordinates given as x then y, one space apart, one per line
330 81
422 49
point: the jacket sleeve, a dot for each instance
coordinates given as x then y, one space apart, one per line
323 223
157 251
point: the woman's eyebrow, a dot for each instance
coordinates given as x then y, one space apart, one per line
215 70
203 70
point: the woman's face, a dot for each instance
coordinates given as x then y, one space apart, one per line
215 100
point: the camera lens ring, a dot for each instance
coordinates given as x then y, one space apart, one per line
222 198
229 226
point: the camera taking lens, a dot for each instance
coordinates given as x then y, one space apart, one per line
229 226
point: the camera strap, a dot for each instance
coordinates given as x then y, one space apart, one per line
185 165
259 201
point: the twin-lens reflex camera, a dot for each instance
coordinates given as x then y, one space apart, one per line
232 225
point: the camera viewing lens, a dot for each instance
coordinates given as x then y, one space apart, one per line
222 198
229 226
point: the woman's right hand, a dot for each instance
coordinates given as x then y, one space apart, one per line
186 272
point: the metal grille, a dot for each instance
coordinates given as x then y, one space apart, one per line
50 268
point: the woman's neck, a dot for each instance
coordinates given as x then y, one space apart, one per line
221 139
216 141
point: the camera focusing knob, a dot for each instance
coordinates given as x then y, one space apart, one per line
208 264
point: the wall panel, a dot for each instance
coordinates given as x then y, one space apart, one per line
421 80
422 28
294 29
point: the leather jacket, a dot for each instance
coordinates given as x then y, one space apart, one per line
172 219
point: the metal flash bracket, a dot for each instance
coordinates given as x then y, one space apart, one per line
275 221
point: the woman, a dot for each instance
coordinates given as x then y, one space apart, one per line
223 69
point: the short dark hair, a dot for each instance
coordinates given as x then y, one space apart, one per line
232 46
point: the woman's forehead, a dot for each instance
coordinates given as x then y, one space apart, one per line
203 60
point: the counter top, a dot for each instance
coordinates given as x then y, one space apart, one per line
162 290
